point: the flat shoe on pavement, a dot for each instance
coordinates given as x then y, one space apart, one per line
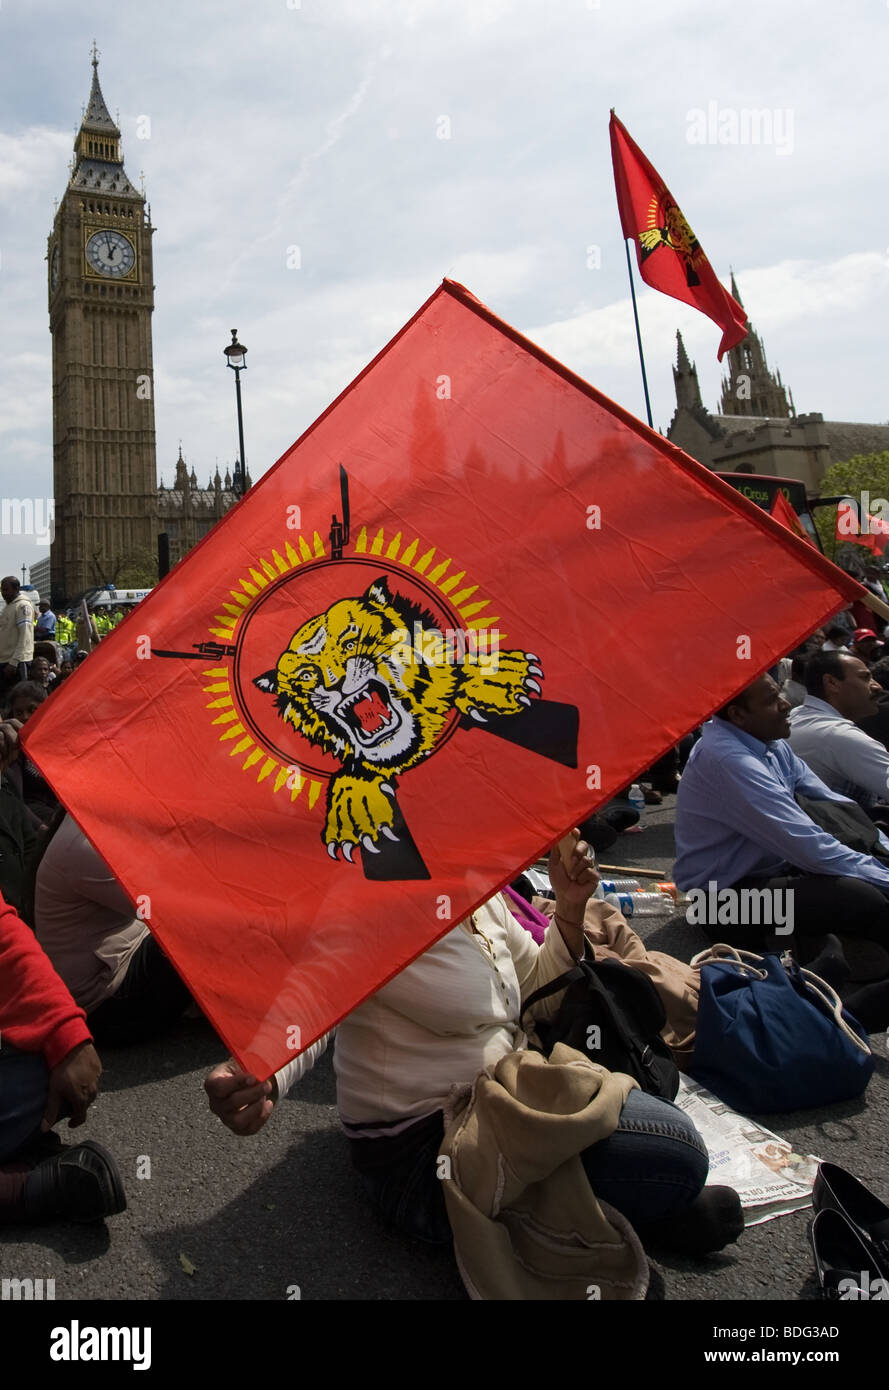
846 1268
79 1184
837 1190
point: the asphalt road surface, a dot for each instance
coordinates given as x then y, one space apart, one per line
226 1218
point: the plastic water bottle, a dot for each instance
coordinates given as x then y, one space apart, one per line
652 905
620 885
637 801
641 904
679 899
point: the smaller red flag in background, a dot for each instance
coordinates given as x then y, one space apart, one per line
782 511
670 256
874 532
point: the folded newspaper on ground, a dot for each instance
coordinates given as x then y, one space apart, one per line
763 1169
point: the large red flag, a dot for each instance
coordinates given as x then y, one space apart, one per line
469 604
670 256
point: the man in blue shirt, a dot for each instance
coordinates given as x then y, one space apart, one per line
46 623
738 826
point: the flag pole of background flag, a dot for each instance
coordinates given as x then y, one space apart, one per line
669 254
471 602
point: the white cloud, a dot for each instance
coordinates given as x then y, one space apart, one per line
496 275
28 158
798 301
805 290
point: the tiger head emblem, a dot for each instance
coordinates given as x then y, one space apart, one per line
373 681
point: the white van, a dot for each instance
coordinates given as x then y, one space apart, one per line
115 598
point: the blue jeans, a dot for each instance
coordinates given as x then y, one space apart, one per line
24 1082
653 1164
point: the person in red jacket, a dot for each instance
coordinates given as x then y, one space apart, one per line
48 1069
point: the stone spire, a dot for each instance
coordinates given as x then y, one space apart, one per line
181 483
97 116
750 388
685 378
736 293
98 162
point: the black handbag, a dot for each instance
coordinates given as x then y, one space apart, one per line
612 1014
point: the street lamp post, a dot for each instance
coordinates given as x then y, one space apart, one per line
236 354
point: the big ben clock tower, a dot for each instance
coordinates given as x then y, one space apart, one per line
101 297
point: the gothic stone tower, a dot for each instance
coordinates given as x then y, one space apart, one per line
750 388
101 297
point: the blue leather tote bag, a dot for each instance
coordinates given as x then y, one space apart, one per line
773 1037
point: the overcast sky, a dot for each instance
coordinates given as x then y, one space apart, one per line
398 142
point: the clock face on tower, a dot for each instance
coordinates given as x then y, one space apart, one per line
54 270
110 253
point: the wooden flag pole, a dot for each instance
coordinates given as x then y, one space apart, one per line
876 605
633 871
638 334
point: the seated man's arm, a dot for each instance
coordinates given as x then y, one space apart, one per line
866 763
809 784
38 1014
756 805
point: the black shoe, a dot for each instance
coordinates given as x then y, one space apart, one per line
830 964
713 1220
844 1263
79 1184
837 1190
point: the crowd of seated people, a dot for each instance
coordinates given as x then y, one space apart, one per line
786 794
